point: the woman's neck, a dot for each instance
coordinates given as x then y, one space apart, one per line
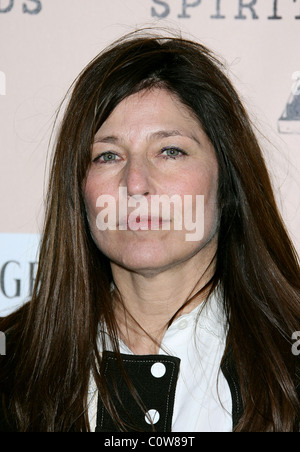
150 301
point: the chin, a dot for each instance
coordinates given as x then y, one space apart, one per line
143 258
150 259
148 255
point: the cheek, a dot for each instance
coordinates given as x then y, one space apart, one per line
201 181
91 192
90 199
204 182
209 186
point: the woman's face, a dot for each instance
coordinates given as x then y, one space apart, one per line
151 189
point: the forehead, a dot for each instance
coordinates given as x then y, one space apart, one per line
149 111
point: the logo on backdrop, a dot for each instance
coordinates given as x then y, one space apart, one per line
11 284
28 6
245 9
18 266
289 122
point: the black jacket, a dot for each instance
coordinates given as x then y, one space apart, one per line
159 393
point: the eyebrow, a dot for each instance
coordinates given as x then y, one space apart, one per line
173 133
113 139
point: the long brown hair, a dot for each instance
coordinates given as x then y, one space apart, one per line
52 349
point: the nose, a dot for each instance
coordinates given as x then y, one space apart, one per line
137 177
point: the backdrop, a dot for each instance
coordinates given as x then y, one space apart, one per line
45 44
